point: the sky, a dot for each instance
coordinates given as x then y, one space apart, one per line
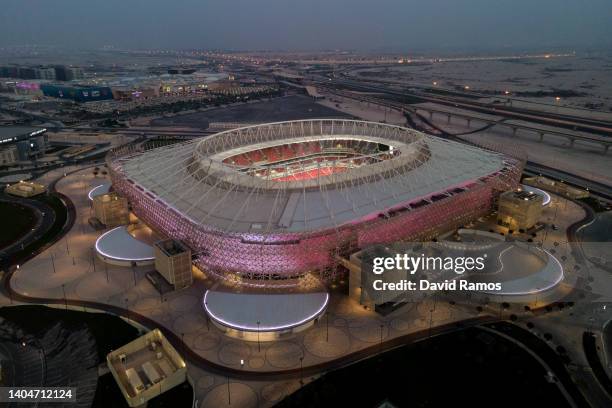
363 25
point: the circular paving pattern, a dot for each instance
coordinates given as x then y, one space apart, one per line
345 308
96 287
38 273
402 324
207 341
205 382
183 303
147 303
189 323
368 330
241 395
317 343
284 354
231 353
256 362
277 391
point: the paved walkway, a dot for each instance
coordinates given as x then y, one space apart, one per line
346 334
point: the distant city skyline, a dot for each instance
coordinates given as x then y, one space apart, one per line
389 25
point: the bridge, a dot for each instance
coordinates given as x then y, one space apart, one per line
469 117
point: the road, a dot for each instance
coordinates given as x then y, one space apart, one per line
545 118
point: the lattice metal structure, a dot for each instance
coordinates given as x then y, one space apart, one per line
278 200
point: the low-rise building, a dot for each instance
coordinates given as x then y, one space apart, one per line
173 262
519 210
111 209
556 187
8 156
26 189
78 93
146 368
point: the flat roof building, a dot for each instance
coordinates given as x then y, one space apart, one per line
519 210
111 209
173 262
26 189
556 187
146 368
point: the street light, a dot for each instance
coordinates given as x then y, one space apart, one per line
64 292
381 337
258 342
302 370
327 326
229 398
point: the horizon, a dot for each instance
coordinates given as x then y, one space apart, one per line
442 25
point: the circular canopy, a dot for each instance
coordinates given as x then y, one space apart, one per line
102 189
264 312
120 245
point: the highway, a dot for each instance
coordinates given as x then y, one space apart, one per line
489 119
545 118
599 190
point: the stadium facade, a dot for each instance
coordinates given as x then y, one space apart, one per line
276 201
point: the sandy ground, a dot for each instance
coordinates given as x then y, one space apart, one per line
364 110
584 159
586 74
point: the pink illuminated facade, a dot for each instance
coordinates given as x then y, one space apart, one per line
303 227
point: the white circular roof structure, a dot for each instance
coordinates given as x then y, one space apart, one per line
99 190
264 312
119 245
538 191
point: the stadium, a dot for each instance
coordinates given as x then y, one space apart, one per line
267 204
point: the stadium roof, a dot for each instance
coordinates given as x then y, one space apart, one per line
192 178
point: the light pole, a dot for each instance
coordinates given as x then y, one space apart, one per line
258 342
327 326
381 338
229 397
302 370
134 271
64 292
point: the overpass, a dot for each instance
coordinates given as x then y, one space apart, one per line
540 130
490 119
546 118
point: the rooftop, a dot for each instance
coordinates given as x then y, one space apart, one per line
13 133
192 178
146 367
264 312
